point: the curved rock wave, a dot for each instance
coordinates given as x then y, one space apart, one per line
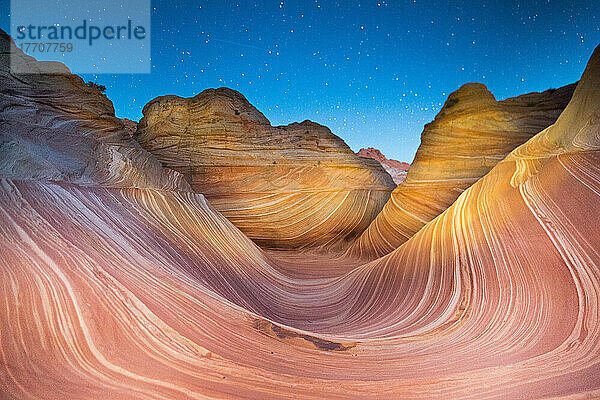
469 136
55 127
142 293
149 293
287 187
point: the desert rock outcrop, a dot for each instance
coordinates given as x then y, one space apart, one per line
289 186
468 137
130 125
395 168
54 127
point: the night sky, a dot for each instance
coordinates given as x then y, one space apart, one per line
374 72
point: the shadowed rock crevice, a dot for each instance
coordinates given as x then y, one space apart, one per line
271 329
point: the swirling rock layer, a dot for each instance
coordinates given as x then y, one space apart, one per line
147 293
54 127
468 137
292 186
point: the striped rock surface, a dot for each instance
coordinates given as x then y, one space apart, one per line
147 293
468 137
54 127
291 186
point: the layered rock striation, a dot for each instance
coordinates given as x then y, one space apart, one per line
293 186
468 137
55 127
149 293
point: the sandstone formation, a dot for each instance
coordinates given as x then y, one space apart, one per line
54 127
291 186
149 293
130 125
468 137
395 168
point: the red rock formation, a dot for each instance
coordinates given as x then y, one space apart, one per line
290 186
468 137
395 168
130 125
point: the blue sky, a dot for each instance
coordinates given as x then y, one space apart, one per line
374 72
